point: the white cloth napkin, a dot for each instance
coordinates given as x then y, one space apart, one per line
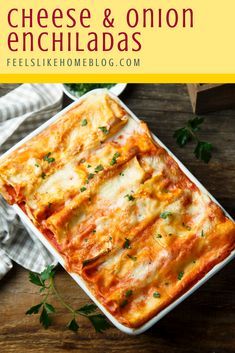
22 111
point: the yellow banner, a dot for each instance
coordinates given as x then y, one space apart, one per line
114 41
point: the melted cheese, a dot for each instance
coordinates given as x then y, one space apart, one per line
118 208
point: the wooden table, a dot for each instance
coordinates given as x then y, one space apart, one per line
205 322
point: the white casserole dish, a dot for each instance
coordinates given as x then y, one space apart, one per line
76 277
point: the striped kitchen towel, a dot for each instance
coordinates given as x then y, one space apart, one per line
22 110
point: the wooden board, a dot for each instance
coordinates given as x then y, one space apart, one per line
211 97
205 322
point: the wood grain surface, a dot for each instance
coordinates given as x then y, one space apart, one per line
205 322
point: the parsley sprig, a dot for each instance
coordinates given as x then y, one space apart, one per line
104 129
48 159
45 281
165 215
114 159
189 132
127 244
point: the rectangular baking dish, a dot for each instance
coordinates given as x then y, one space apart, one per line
76 277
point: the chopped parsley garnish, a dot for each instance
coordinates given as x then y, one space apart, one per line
158 236
127 244
129 293
99 168
43 175
83 189
84 122
94 231
114 159
165 214
180 275
48 159
36 165
202 234
90 176
104 129
124 303
156 295
133 258
88 166
129 197
121 174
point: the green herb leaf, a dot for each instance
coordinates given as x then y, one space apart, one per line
180 275
47 273
187 133
45 319
129 293
48 159
49 308
114 159
36 165
156 295
84 122
43 175
73 325
35 279
123 303
202 234
195 123
165 214
130 197
99 168
159 236
104 129
182 136
99 322
203 151
87 309
83 189
34 309
90 176
127 244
